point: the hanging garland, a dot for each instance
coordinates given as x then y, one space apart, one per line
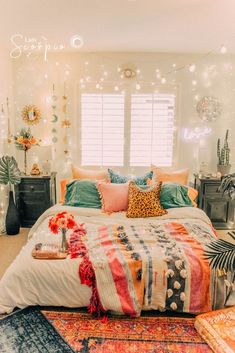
66 123
9 134
54 116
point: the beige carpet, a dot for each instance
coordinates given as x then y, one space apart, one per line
11 245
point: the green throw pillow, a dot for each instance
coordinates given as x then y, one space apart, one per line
117 178
82 193
174 195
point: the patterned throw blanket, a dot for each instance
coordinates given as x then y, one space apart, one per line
131 268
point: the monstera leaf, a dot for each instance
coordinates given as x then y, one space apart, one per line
9 171
221 255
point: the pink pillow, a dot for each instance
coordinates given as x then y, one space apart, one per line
114 197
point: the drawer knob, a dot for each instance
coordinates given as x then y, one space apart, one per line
32 187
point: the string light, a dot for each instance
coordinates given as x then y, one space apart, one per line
116 88
163 80
194 82
223 49
97 85
192 67
137 86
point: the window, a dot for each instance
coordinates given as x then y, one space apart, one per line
152 129
149 121
102 130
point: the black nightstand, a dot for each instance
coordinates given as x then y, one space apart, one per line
218 208
34 195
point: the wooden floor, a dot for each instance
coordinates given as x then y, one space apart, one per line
11 245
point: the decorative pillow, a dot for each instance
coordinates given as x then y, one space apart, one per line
89 174
82 193
114 196
192 194
116 178
174 195
144 203
63 184
178 176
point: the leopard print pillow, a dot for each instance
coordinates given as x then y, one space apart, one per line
144 203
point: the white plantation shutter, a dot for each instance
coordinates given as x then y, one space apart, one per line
102 129
152 129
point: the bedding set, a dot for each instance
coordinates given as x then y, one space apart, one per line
132 260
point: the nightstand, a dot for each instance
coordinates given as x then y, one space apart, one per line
219 209
34 195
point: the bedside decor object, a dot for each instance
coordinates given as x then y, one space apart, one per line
209 109
31 115
62 222
24 140
223 154
35 170
48 252
10 175
34 195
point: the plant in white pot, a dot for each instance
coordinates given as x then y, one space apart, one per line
10 175
223 154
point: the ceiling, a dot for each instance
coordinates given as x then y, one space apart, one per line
123 25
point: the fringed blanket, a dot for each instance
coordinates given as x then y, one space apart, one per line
133 267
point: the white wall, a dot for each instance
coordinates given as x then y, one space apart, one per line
33 79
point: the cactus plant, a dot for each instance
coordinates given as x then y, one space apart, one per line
223 153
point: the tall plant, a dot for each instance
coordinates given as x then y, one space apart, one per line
223 153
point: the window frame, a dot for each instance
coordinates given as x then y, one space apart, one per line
129 90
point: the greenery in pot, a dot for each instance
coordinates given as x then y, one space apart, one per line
223 154
10 175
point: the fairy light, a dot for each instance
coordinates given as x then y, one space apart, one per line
97 85
223 49
192 67
163 80
116 88
194 82
138 86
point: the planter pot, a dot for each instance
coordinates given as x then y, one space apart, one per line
12 217
223 169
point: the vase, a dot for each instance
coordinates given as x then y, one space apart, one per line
25 162
64 244
12 217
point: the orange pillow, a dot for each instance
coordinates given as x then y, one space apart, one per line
192 194
89 174
178 176
63 184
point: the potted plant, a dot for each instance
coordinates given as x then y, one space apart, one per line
221 253
223 155
10 175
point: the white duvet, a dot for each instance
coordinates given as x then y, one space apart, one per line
56 282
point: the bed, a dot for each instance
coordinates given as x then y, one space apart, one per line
164 269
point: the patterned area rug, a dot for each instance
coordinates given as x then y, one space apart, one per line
149 334
27 331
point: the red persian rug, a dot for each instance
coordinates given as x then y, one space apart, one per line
146 334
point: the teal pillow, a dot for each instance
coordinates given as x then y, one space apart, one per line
174 195
82 193
116 178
